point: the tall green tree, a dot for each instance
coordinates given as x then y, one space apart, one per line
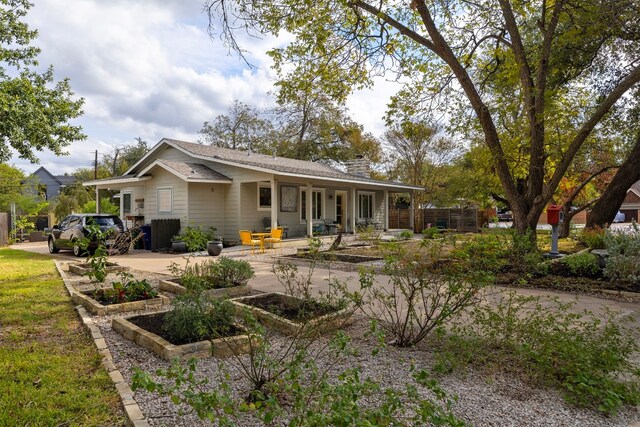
484 61
123 157
242 128
419 153
34 109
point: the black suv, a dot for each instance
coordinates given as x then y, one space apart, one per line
71 230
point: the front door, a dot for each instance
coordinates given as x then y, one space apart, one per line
341 209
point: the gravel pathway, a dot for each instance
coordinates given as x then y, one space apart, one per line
481 401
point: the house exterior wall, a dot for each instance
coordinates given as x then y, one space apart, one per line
207 206
52 186
164 179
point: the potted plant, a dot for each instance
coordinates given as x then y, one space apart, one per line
214 246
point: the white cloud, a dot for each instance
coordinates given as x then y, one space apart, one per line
149 69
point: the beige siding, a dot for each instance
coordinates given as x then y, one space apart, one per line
164 179
207 206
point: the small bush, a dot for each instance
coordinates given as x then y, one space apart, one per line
222 273
195 237
583 264
126 290
194 317
405 235
430 233
423 292
623 263
577 353
592 238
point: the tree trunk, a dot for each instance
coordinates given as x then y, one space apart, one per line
605 209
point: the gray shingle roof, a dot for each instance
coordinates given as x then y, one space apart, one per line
272 163
194 171
636 188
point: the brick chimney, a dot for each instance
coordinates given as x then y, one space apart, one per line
359 166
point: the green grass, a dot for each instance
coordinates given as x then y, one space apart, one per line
50 372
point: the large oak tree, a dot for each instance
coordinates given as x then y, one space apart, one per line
503 63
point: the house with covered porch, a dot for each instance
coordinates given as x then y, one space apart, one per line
236 190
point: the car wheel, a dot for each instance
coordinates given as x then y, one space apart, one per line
77 250
53 249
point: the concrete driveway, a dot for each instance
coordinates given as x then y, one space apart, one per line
266 281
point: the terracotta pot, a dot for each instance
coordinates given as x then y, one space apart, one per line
214 247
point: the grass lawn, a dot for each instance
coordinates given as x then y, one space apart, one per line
50 372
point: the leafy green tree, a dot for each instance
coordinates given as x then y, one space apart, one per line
313 127
124 157
242 128
34 109
106 206
11 183
419 153
503 68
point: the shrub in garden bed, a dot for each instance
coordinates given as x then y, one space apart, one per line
213 274
579 354
127 289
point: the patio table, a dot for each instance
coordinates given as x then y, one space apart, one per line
260 236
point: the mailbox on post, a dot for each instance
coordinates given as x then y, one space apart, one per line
553 214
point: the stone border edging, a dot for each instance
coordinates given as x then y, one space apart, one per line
131 407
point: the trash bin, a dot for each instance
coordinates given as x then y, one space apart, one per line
146 231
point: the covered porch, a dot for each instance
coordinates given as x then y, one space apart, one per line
306 208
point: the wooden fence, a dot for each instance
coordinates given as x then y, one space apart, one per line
4 229
461 220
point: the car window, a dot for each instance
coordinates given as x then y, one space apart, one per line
104 221
74 220
64 223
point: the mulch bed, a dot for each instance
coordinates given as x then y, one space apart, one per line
153 323
96 295
297 313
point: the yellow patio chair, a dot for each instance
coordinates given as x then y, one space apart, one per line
276 237
245 238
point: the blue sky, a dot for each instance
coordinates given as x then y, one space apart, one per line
149 69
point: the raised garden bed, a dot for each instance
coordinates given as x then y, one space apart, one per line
290 315
83 269
146 331
175 287
94 306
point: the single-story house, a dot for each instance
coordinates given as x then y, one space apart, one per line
631 205
236 190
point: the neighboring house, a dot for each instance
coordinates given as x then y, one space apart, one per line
52 184
631 205
236 190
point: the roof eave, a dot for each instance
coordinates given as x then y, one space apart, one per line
103 182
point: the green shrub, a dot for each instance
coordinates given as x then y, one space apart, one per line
126 290
405 235
582 356
623 262
213 274
195 237
582 264
430 233
592 238
194 317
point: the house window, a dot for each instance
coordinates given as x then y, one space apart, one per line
365 205
264 196
165 200
126 204
317 205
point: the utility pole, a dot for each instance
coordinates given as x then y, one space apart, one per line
95 166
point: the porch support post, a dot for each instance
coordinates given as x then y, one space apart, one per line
97 200
412 211
307 209
353 209
274 204
386 211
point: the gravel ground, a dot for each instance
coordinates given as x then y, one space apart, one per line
481 401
